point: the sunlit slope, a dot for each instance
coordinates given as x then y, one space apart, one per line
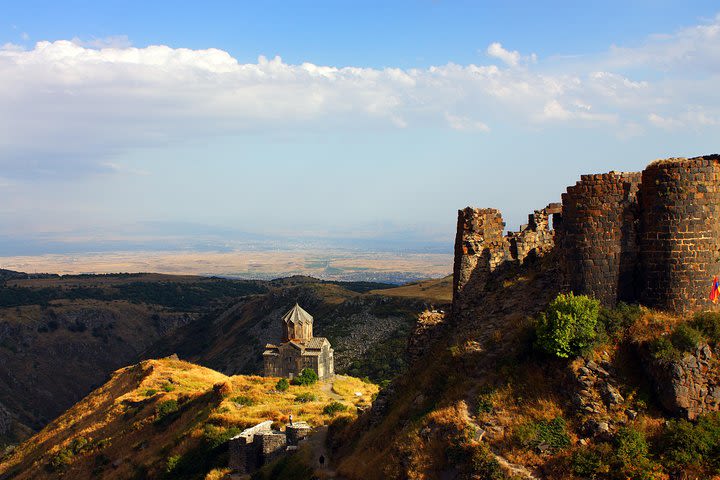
437 290
168 417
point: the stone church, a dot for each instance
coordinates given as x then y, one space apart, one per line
299 349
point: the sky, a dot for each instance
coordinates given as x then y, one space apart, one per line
128 124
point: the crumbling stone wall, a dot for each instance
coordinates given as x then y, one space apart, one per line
244 452
481 247
650 237
260 445
427 330
680 240
270 446
297 432
597 238
536 238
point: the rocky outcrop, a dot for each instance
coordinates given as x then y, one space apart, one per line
598 399
688 387
6 421
426 332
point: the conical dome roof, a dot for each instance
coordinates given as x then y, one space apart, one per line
297 316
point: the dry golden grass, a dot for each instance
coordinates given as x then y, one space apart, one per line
436 290
218 474
653 324
120 419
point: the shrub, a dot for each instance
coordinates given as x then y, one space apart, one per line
484 404
216 436
334 407
614 321
686 338
306 377
709 324
282 385
168 387
243 400
305 397
551 433
64 457
685 444
631 448
663 349
150 392
568 325
172 462
61 460
589 462
484 465
166 410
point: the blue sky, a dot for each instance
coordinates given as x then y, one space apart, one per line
335 119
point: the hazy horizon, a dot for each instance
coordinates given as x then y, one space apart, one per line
225 127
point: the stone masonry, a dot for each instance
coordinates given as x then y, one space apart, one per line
680 239
690 386
598 236
481 247
260 445
650 237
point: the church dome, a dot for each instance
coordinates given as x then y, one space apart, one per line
297 324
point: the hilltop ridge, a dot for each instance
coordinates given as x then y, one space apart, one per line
168 418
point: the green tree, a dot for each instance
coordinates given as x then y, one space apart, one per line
306 377
568 326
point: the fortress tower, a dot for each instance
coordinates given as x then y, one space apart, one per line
598 237
680 232
650 237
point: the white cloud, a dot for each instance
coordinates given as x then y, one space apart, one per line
114 41
465 124
511 58
72 106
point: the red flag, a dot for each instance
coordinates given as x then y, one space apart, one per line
715 291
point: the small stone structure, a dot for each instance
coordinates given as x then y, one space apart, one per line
650 237
296 432
299 349
260 445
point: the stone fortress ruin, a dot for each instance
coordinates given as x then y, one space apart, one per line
651 237
299 349
259 445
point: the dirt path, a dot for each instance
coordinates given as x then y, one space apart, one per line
327 387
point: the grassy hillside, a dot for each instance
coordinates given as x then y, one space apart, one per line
437 290
486 403
169 419
62 336
367 330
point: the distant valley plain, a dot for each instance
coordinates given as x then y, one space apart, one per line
334 264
